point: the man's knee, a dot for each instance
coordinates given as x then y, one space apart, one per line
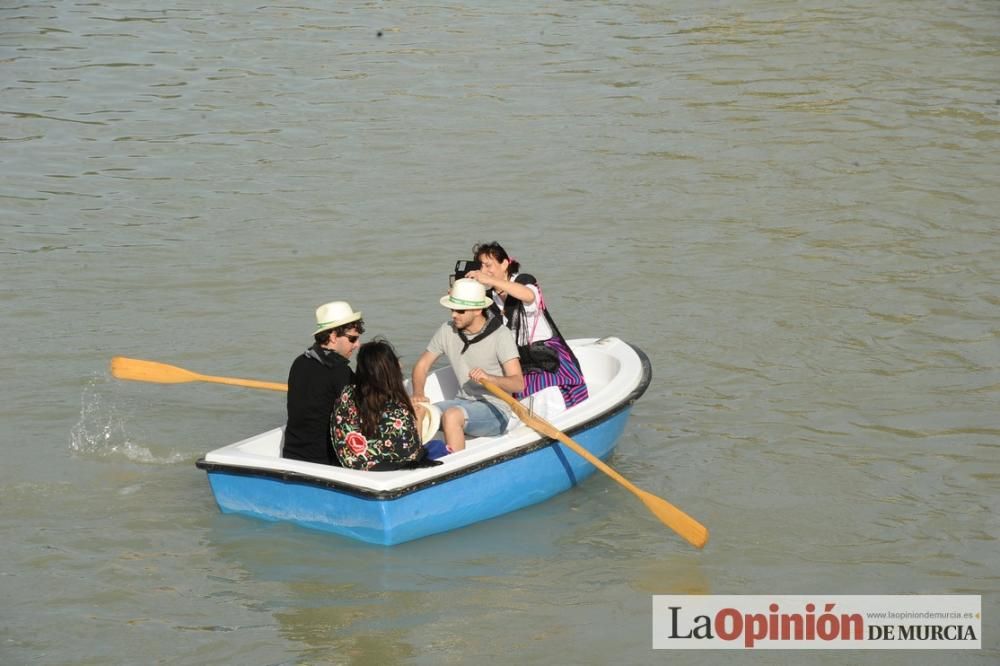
453 416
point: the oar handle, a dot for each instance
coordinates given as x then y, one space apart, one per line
248 383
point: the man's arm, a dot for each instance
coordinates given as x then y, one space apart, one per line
512 380
420 372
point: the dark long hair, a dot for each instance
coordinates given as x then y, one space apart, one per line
378 379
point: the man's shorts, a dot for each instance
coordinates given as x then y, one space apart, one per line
482 419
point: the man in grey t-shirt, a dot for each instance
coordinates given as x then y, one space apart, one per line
479 347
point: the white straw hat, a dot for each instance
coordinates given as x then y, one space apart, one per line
466 294
334 314
431 421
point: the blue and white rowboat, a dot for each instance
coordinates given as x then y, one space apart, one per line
491 477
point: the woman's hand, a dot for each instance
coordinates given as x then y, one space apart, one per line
481 278
499 285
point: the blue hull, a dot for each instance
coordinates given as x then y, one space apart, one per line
446 504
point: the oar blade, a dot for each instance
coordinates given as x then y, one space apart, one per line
687 527
149 371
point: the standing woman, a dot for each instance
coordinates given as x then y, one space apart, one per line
374 423
546 359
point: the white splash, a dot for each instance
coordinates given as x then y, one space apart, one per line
102 430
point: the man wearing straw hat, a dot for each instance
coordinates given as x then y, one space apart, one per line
316 380
479 347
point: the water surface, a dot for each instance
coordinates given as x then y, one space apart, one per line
790 207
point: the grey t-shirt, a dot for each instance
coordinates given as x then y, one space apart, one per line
489 354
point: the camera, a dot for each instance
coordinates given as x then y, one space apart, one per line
462 267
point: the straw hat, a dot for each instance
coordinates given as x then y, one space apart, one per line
466 294
431 421
334 314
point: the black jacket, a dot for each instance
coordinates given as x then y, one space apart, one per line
315 381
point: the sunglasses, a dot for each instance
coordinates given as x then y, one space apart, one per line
352 338
459 311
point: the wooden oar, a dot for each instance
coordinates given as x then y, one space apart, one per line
687 527
161 373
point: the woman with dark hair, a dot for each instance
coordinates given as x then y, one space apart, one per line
546 359
374 423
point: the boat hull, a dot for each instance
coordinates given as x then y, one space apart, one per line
473 497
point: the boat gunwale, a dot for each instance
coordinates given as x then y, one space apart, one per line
395 493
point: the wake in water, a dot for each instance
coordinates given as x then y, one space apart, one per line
102 430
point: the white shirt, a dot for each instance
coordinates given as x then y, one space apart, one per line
535 325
